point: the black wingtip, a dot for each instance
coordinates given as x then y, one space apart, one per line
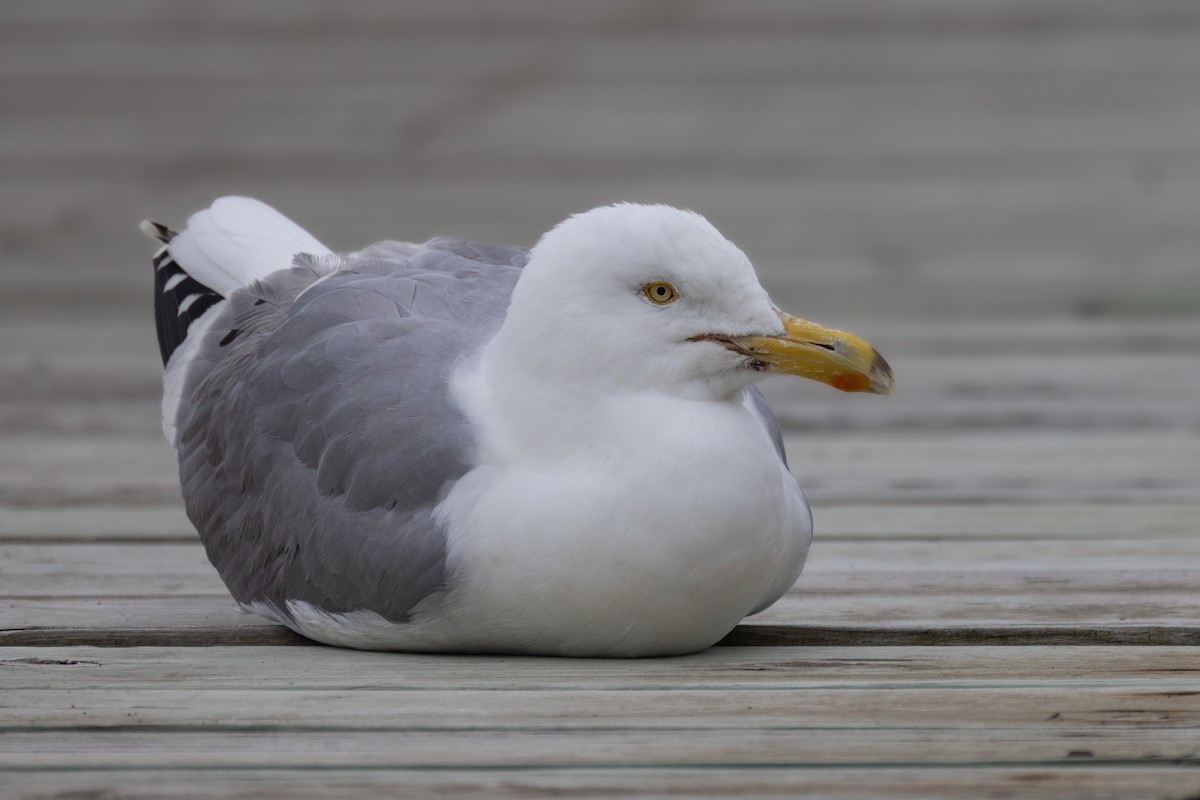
157 231
179 299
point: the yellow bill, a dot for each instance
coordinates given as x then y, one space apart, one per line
809 350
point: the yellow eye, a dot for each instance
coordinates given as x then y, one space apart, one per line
660 293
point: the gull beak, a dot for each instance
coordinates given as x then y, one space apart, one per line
809 350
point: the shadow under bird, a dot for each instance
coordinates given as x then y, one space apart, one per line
464 447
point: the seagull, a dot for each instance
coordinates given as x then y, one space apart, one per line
470 448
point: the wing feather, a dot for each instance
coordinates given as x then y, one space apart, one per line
316 444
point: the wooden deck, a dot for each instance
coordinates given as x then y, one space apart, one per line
1002 598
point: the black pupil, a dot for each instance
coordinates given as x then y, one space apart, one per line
661 291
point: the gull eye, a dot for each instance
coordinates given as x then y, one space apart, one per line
660 293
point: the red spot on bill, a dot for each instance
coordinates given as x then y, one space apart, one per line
850 382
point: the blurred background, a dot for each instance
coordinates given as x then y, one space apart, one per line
1002 195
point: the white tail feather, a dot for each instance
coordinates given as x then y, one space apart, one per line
239 240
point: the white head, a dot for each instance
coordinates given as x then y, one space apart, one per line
652 298
624 295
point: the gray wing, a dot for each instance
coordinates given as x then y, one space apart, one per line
769 420
314 448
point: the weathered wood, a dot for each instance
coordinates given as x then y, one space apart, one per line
874 591
1076 779
123 746
1086 393
38 470
1000 194
1171 565
124 622
100 341
784 689
177 627
1067 566
989 632
840 467
1008 521
1170 705
969 467
149 523
1001 522
556 723
880 591
318 667
139 570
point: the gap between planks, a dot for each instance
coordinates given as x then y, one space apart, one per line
747 635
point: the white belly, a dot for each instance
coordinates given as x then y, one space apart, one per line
663 553
621 551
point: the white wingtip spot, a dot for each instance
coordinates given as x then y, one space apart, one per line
174 281
187 302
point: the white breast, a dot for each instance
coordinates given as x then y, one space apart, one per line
676 521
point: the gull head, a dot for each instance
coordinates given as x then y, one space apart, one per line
654 298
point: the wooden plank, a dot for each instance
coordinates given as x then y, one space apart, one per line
746 688
1035 338
151 523
180 620
1139 705
369 115
103 377
958 467
1007 522
1011 18
107 341
841 467
940 633
51 470
107 570
362 18
1034 780
874 590
970 567
1067 566
1020 124
929 54
796 123
843 230
400 748
114 57
271 668
972 716
1018 393
215 621
976 394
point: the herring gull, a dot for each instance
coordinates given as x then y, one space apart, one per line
464 447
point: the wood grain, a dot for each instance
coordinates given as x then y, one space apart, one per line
854 591
267 667
943 719
1078 779
1001 195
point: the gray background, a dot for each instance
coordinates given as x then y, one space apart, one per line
998 156
1002 195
